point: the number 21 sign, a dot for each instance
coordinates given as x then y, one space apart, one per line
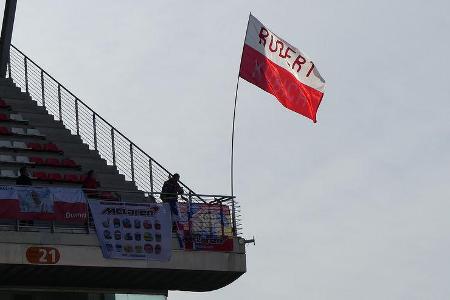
43 255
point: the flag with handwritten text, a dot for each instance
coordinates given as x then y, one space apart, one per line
281 69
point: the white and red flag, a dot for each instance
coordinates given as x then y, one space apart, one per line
282 70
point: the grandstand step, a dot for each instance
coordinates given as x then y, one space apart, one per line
78 149
58 134
13 93
94 164
7 82
26 106
9 89
41 119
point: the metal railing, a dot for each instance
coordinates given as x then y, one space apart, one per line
208 216
113 146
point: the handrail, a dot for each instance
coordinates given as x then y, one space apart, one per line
201 197
100 135
97 115
206 219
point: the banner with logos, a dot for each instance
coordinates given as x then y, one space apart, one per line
133 230
209 227
43 203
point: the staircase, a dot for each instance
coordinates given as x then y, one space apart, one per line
54 131
66 113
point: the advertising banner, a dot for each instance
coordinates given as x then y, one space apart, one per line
43 203
133 230
210 226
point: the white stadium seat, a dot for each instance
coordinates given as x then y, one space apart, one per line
32 131
22 159
6 158
19 145
5 144
8 173
16 117
16 130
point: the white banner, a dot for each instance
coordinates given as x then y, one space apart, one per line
43 203
133 230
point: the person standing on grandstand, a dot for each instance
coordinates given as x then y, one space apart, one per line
169 194
170 191
24 178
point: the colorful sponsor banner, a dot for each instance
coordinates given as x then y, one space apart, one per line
209 243
209 228
43 203
133 230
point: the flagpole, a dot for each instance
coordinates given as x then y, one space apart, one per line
232 136
233 211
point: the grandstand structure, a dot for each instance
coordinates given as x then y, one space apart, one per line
59 138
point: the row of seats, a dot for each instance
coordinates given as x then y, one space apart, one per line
16 145
12 118
58 177
52 162
34 146
48 147
14 159
44 176
20 131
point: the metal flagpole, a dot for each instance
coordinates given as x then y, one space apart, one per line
232 136
233 209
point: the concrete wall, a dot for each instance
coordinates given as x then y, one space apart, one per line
22 295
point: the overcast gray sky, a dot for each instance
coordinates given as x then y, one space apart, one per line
353 207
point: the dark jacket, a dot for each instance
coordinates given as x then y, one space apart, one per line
170 190
23 180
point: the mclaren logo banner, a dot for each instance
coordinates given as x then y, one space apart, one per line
133 230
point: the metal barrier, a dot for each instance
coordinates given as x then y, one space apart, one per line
216 209
208 216
94 130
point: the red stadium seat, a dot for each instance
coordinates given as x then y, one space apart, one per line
71 178
54 162
4 117
69 163
35 146
3 104
82 178
51 147
108 196
55 177
37 160
4 130
40 175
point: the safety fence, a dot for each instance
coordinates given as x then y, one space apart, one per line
206 220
